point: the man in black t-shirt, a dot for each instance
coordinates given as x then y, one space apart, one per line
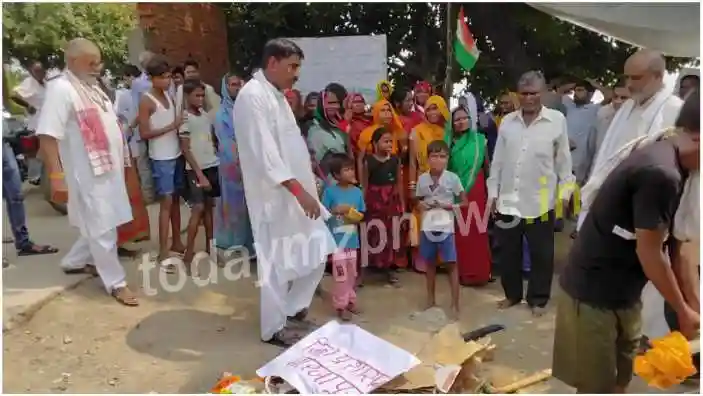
618 249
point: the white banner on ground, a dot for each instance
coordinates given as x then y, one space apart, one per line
356 62
339 359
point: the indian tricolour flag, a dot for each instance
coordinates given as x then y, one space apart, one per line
465 49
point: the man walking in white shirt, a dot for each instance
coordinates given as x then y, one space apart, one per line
531 166
292 240
29 94
80 135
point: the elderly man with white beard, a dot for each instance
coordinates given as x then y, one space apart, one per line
651 109
80 135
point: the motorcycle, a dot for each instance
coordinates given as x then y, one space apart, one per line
25 145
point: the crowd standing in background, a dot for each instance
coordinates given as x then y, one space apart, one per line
401 183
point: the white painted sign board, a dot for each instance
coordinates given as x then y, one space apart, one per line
356 62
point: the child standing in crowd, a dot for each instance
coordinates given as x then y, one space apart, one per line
435 192
158 125
384 195
199 147
346 203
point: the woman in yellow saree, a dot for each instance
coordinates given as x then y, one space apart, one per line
435 127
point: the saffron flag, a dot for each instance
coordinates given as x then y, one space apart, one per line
465 49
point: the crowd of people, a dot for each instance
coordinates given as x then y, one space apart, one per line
404 182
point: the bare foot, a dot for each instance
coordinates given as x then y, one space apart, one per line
430 304
507 303
454 314
538 311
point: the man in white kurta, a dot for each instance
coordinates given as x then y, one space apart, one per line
650 109
97 204
291 247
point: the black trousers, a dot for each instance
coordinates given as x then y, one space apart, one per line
539 233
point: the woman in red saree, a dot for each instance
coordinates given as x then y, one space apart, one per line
358 121
469 160
421 92
402 100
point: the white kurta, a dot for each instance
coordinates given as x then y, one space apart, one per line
96 204
289 245
33 93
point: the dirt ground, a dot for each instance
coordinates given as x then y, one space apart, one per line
180 342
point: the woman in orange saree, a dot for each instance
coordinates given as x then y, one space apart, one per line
435 127
384 116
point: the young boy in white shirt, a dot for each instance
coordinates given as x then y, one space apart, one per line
436 192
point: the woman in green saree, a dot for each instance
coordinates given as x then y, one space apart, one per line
468 160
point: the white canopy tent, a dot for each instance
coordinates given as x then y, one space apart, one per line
672 28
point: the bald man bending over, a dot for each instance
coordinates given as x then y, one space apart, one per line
84 151
649 110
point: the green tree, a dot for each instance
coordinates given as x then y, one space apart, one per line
38 31
512 38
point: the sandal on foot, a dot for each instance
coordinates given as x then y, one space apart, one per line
88 269
34 250
124 296
284 339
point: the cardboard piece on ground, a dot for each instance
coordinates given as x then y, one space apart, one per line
444 348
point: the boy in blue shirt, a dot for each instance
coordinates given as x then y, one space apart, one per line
346 203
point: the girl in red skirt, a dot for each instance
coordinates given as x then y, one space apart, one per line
384 203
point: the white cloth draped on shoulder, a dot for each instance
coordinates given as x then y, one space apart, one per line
629 124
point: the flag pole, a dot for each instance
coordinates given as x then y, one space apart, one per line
450 52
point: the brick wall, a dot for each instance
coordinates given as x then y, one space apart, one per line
182 31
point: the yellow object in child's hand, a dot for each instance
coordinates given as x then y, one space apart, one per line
353 216
667 363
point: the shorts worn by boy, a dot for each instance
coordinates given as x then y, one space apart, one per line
198 129
347 237
437 237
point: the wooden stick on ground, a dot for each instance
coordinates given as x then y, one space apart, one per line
524 383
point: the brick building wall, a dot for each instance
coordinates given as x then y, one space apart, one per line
182 31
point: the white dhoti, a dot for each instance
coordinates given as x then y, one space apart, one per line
97 201
102 253
290 247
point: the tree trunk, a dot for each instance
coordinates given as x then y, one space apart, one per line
448 86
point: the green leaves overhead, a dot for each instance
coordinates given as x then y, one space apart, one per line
38 31
512 38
